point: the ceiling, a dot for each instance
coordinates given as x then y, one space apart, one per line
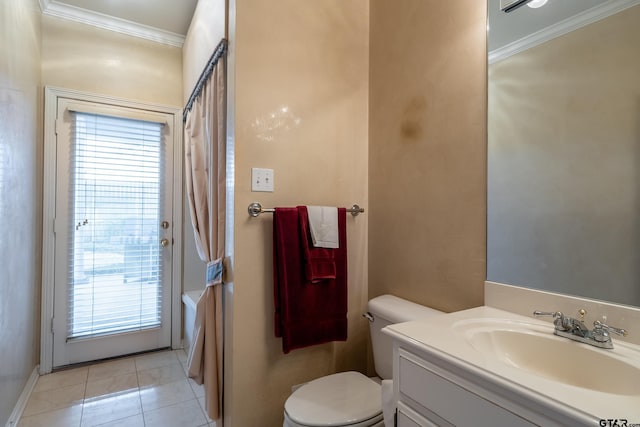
166 21
525 27
505 28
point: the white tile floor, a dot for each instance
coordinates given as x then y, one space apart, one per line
150 390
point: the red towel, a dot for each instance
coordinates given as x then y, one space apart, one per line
307 313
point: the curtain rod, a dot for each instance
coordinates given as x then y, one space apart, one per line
206 73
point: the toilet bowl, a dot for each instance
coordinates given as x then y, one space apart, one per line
350 399
344 399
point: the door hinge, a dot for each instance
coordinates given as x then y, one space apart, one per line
57 124
52 325
54 226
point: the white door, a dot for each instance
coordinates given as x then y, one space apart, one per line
113 231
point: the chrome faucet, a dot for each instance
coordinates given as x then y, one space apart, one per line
576 330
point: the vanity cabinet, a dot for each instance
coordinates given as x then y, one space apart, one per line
427 395
488 367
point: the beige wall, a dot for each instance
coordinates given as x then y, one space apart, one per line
207 28
564 156
311 59
82 57
427 145
20 197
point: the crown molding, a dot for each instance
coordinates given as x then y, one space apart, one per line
100 20
582 19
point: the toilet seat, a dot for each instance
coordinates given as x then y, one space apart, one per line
344 399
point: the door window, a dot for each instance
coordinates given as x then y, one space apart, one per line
115 264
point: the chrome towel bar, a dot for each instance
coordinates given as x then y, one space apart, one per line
256 209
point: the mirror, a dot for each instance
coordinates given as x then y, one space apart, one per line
564 148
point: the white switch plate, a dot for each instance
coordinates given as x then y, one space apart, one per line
261 179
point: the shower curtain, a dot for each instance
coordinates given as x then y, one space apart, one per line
205 158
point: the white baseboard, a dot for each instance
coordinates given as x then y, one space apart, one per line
14 419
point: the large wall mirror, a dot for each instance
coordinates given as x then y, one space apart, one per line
564 148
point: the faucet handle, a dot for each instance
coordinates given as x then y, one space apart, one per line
539 313
561 322
582 312
598 325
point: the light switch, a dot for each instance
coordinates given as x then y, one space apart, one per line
261 179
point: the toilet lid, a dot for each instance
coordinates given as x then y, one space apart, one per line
335 400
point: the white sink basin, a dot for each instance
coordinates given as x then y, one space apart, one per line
558 359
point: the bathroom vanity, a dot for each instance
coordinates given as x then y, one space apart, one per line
489 367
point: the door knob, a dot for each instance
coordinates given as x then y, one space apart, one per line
164 243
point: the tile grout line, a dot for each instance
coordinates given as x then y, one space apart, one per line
84 398
144 419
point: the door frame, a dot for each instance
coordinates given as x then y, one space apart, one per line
51 96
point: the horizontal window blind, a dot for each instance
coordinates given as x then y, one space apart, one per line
115 269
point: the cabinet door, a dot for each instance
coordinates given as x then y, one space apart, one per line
448 400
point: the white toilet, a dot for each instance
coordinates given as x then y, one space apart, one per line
350 399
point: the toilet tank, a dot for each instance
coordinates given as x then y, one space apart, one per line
386 310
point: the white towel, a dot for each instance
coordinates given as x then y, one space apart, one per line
323 224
